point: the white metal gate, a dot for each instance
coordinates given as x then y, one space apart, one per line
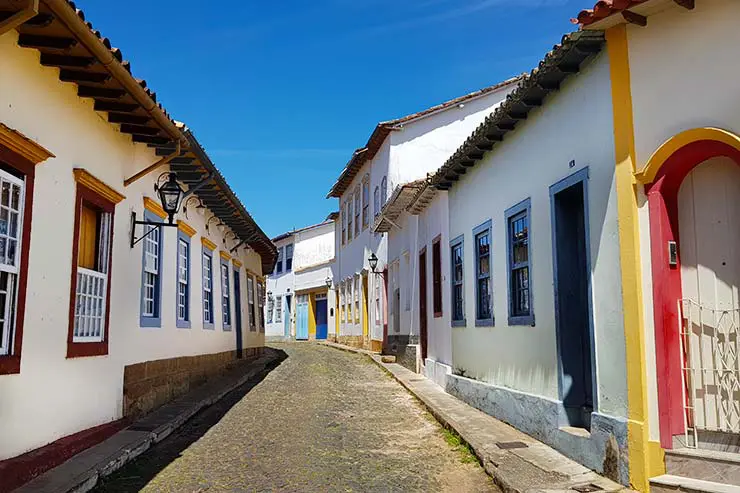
710 350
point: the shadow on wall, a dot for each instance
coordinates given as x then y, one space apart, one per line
137 474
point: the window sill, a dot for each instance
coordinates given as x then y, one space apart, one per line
151 322
208 326
437 314
227 328
526 320
86 349
485 322
10 364
459 323
182 324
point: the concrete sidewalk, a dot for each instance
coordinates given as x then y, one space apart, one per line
82 472
516 461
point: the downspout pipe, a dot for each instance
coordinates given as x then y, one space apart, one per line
26 13
65 13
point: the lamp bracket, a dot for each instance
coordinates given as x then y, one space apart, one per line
134 223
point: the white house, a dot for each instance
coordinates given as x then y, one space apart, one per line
398 151
106 317
301 300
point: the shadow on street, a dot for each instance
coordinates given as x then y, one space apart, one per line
137 474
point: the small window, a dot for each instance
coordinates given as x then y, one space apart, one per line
350 287
408 284
376 200
288 258
250 300
183 280
365 201
152 278
482 245
344 223
520 288
279 309
377 301
437 278
207 289
357 212
270 307
225 296
383 191
260 305
457 274
349 218
279 265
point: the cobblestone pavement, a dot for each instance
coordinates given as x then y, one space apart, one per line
323 420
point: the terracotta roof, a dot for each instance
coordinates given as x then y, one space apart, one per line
383 129
603 9
399 200
565 59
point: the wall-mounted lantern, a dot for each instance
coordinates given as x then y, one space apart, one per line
373 261
328 282
170 195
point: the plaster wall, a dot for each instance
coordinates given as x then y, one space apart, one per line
54 396
280 285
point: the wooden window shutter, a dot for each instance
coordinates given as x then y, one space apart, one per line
87 254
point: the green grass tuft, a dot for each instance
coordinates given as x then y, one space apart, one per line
467 456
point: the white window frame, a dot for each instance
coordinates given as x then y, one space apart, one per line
225 296
151 270
182 280
11 270
207 288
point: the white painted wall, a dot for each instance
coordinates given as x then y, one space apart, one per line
54 396
280 285
531 159
407 154
668 98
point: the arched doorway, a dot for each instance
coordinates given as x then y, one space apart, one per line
694 203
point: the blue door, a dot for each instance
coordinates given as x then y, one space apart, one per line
301 322
286 318
238 314
322 327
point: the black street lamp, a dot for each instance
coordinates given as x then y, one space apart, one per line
373 261
170 195
328 282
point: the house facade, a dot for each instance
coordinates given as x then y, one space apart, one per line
677 180
301 300
105 317
398 152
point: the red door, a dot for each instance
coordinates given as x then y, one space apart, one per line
423 302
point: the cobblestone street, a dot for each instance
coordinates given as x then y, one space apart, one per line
323 420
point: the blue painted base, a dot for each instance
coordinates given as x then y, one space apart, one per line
540 418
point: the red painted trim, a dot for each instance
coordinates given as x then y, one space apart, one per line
85 349
19 470
12 363
663 206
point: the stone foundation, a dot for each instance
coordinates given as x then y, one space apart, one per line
148 385
376 346
437 372
406 351
354 341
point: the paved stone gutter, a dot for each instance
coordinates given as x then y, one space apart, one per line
83 471
517 462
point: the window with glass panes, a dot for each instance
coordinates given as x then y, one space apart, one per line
358 208
207 287
437 278
357 299
483 303
288 257
151 271
183 280
520 292
260 305
376 200
250 301
279 264
11 224
270 307
365 201
456 254
279 309
349 217
225 296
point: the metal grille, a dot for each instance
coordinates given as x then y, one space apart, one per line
90 305
711 369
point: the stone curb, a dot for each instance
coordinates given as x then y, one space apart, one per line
82 472
505 469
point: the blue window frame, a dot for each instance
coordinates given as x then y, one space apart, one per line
457 284
483 291
288 257
182 301
151 274
225 295
279 265
207 288
519 239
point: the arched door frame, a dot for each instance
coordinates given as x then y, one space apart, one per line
662 177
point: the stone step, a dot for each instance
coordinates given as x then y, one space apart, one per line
707 465
668 483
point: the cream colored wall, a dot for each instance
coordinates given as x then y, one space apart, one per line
54 396
670 94
534 157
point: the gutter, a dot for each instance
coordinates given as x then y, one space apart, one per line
67 14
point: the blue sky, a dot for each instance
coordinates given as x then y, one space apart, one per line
281 93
